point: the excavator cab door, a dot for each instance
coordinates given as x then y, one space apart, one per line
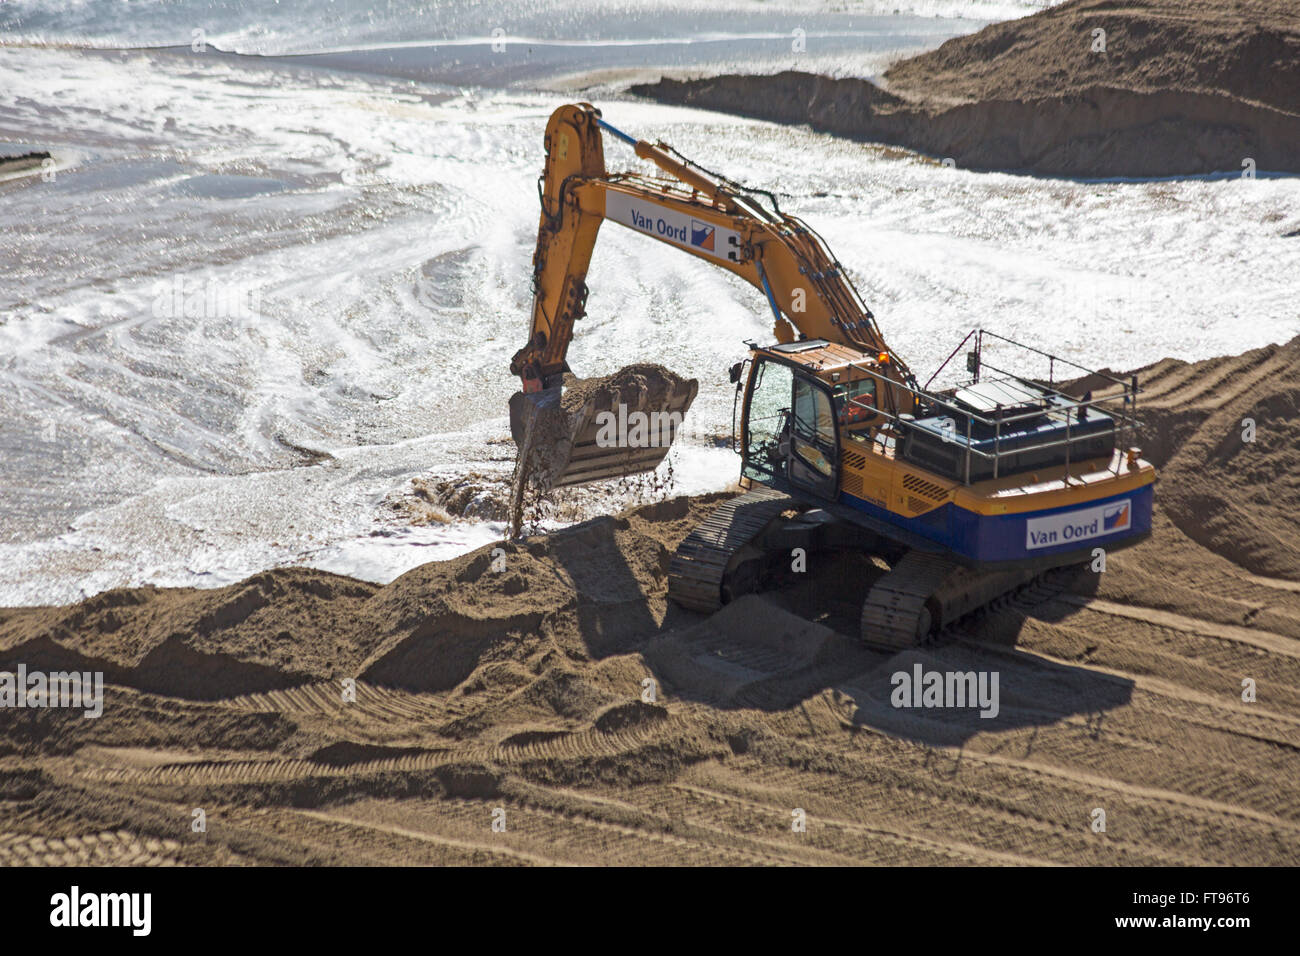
789 430
765 418
814 438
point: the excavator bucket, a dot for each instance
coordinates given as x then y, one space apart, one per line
592 429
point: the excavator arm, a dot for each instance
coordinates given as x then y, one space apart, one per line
556 424
704 215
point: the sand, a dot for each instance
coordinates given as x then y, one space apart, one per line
514 680
1182 87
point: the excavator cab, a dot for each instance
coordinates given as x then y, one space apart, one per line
800 400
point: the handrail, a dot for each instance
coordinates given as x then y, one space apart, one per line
1125 419
945 362
1055 358
1122 425
1072 404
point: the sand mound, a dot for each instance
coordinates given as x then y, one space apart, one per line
641 385
1225 436
1181 88
262 633
596 586
1233 483
1249 49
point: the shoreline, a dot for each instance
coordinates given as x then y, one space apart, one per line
1032 95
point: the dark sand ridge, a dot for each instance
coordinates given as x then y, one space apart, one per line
522 688
1183 87
23 162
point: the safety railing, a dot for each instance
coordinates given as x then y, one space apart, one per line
1064 408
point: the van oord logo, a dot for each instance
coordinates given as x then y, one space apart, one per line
669 225
1080 525
1115 518
702 235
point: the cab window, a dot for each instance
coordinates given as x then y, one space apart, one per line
812 413
814 426
852 400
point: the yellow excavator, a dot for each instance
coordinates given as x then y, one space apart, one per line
966 492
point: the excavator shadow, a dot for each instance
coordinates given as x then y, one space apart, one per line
764 652
945 695
608 566
779 649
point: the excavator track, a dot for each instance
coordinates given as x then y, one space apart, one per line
895 615
924 593
700 563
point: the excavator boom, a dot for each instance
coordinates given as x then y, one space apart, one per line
704 215
718 221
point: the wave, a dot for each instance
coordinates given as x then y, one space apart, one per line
319 26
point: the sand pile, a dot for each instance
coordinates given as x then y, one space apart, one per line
1179 88
599 582
642 385
1248 48
1231 475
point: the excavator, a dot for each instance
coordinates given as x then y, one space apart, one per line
965 493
